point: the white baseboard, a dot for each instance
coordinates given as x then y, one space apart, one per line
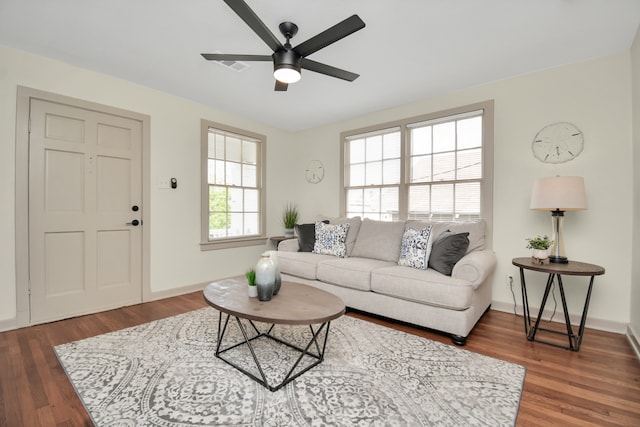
594 323
633 339
174 292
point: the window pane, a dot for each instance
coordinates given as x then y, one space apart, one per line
249 176
251 221
236 224
444 137
444 167
373 173
236 199
234 174
234 149
249 152
470 133
217 199
356 151
421 169
389 203
391 145
468 199
421 141
251 201
217 225
220 175
356 177
371 200
211 171
219 146
374 148
442 201
419 201
470 164
391 171
355 201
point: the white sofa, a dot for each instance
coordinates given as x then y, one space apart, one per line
369 278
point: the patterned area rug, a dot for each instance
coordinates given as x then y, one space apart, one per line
165 373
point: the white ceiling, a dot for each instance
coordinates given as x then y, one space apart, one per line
409 49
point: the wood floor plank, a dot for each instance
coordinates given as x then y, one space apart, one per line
597 386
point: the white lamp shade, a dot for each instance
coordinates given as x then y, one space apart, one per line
565 193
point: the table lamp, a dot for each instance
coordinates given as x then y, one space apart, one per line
558 194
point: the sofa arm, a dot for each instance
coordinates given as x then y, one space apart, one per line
289 245
475 267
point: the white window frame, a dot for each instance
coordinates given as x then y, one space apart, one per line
405 126
231 242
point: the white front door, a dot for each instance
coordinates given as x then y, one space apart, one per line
85 211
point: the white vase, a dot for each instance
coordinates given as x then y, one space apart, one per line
265 277
276 275
288 232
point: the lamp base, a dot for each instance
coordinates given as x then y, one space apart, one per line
558 259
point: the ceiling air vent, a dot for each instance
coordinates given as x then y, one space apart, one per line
234 65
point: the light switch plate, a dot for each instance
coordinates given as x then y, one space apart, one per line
164 183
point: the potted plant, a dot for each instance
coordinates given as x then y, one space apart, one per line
540 246
251 280
289 219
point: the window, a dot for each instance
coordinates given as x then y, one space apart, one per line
232 194
436 167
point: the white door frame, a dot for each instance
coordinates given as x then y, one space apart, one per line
24 97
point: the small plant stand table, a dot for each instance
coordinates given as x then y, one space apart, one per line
555 272
295 304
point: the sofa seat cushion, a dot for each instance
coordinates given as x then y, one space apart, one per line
423 286
351 272
301 264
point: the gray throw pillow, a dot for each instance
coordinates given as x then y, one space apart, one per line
306 236
446 252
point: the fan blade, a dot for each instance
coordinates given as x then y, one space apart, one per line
331 35
231 57
251 19
328 70
281 87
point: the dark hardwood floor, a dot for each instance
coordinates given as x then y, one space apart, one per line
597 386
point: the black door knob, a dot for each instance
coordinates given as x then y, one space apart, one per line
135 208
135 222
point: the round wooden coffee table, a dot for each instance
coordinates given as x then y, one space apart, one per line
295 304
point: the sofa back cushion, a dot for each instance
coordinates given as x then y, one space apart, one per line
476 229
379 240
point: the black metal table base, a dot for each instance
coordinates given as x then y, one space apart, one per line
574 340
318 342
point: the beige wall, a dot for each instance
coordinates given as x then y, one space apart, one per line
635 249
175 258
594 95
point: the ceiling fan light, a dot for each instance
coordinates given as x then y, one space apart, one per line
286 73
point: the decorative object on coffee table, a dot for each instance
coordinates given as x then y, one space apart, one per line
251 281
289 219
540 249
265 277
277 278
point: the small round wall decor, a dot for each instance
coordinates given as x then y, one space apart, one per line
558 143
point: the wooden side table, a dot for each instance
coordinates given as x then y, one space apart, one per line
556 271
278 239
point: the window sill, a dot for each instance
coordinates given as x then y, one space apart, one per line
233 243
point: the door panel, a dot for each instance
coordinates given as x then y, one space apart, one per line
84 177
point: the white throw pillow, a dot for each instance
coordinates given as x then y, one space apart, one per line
331 239
415 249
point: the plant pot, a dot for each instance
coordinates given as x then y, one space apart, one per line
253 291
288 232
540 253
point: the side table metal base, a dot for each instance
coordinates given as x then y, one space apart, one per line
317 342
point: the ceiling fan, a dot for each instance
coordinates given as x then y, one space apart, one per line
288 61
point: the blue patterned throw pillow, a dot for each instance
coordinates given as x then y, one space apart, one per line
416 245
331 239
